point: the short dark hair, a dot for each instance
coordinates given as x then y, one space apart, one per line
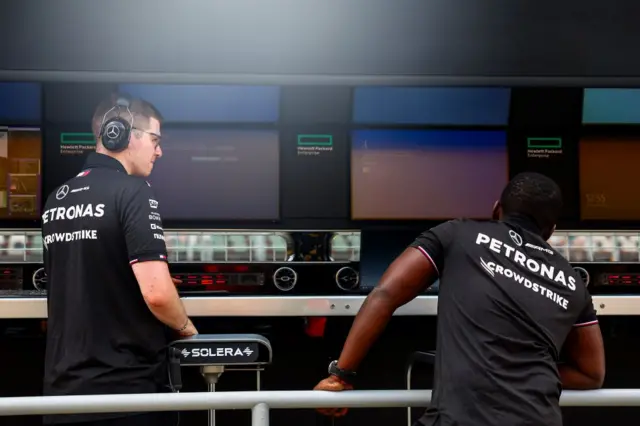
141 110
535 196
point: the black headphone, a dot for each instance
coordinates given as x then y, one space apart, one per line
115 132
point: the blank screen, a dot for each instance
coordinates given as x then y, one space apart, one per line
427 174
218 174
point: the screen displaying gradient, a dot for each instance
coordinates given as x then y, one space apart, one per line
218 174
426 174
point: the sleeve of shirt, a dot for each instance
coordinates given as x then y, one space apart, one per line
142 225
588 314
435 242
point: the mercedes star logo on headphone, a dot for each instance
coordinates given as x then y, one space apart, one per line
113 131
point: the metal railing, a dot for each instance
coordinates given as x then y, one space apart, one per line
261 402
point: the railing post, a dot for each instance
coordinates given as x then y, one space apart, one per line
260 415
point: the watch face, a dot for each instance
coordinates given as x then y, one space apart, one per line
333 367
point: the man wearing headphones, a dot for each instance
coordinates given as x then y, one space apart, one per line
112 304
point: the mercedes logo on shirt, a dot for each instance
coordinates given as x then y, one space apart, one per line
515 237
113 131
62 192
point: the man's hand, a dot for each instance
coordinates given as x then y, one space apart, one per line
333 384
407 276
176 281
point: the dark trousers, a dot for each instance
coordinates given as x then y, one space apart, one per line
159 418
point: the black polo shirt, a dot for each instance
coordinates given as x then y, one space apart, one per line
101 336
506 304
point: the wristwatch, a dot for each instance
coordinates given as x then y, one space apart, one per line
345 375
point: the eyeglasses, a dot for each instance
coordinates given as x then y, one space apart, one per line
155 137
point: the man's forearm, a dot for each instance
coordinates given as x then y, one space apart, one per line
371 320
572 378
170 311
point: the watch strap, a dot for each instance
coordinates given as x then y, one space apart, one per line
344 375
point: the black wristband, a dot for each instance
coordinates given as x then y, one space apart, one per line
344 375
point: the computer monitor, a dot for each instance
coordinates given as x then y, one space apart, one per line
608 149
427 174
608 178
20 172
215 174
220 150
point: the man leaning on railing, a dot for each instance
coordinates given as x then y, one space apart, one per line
508 304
